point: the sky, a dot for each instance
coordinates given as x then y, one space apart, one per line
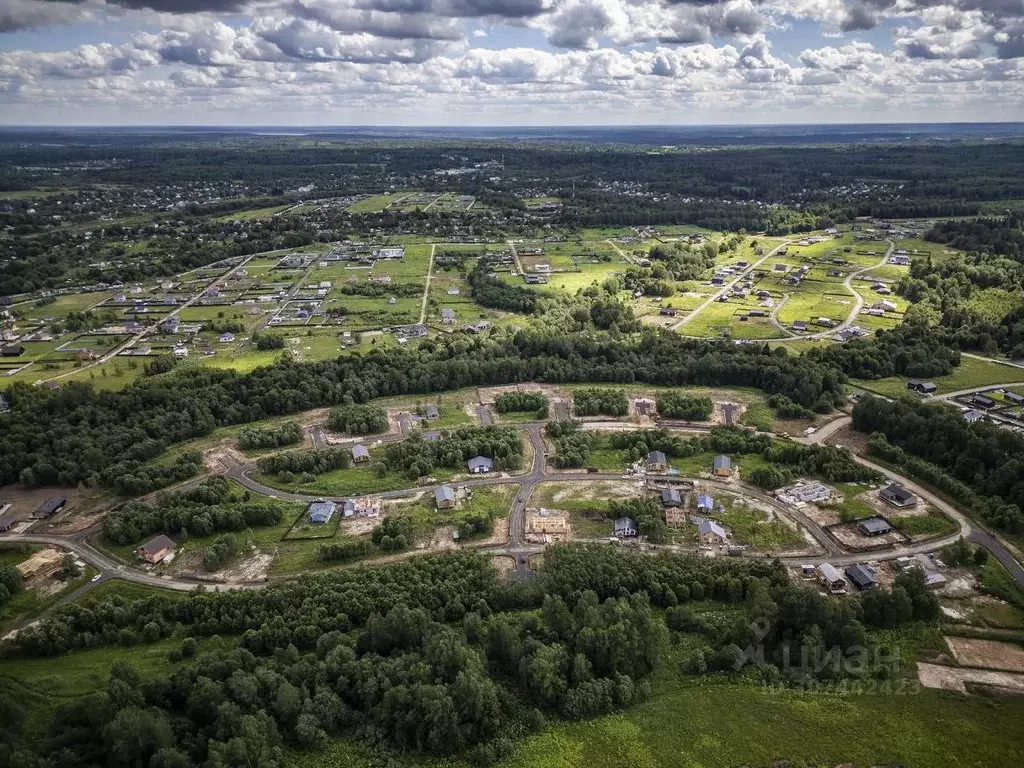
509 62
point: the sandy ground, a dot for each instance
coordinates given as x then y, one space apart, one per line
821 515
251 567
956 679
84 509
992 654
856 441
504 565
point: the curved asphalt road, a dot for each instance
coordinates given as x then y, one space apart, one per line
520 550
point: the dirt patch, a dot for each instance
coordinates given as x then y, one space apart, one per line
441 538
718 413
487 395
958 678
358 526
550 494
992 654
252 567
959 584
823 516
504 565
855 441
85 507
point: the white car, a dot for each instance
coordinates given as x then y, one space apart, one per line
97 577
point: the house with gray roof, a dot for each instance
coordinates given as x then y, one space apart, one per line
444 497
862 576
874 526
657 461
478 465
723 465
321 511
670 497
360 454
831 578
710 532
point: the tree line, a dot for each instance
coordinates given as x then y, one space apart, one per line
78 435
259 438
418 457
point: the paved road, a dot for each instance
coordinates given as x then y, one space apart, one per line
520 550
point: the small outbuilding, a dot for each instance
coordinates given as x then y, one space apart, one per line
705 503
722 466
360 454
831 578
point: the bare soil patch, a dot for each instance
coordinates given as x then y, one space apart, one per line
855 441
992 654
85 507
958 678
504 565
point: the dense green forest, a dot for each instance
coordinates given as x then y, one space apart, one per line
436 655
77 434
979 462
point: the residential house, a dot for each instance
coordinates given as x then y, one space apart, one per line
670 497
668 311
321 512
862 576
831 578
924 387
348 508
444 497
799 325
156 549
625 527
674 516
479 465
710 533
12 350
50 507
432 413
705 504
983 402
180 352
885 305
657 461
227 338
1012 397
973 417
898 496
874 526
447 316
454 291
360 454
722 466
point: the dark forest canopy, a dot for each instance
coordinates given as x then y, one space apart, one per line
78 435
436 655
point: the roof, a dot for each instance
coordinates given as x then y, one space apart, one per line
898 492
656 457
874 525
1013 397
829 572
52 505
671 496
710 526
723 462
973 415
480 461
861 575
7 522
432 411
360 452
157 544
444 493
625 525
321 511
705 502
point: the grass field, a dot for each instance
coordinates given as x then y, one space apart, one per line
971 373
253 213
